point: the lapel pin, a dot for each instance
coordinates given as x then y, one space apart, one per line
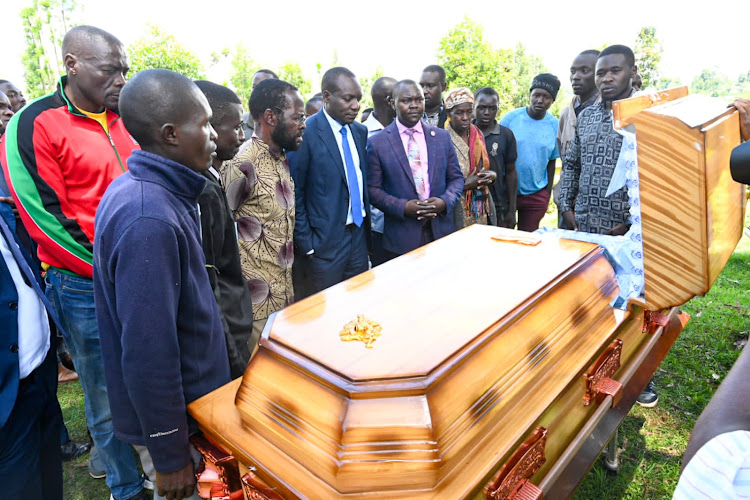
432 133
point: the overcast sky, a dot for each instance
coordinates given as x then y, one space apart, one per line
403 37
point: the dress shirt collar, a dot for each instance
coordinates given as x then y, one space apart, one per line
335 125
403 128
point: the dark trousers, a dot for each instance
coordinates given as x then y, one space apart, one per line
531 209
378 253
315 273
30 462
425 238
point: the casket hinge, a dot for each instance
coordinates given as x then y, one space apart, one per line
256 489
599 376
652 320
512 480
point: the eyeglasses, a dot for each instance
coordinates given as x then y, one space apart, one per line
300 121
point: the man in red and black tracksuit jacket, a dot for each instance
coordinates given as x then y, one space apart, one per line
59 154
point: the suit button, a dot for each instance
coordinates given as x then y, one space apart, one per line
13 306
14 348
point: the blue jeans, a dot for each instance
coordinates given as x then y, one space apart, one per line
72 297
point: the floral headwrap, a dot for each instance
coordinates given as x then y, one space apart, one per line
459 96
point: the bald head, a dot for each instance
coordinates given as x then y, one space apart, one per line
154 97
96 66
169 115
82 38
383 87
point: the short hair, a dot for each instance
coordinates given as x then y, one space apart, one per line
154 97
331 77
268 72
619 49
269 94
486 91
434 68
381 85
82 36
590 52
220 98
4 81
403 83
314 99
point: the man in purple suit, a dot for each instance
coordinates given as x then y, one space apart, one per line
413 175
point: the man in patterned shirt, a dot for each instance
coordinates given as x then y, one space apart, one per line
260 191
592 157
591 160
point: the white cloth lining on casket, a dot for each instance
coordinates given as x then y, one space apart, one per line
624 253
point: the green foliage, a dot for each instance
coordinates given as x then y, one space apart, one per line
711 82
367 83
45 23
292 73
243 69
648 51
742 87
471 61
159 49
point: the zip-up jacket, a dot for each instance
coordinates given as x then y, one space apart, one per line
162 340
58 162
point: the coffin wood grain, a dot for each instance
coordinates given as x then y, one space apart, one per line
692 210
412 418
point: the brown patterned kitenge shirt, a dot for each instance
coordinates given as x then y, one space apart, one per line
260 192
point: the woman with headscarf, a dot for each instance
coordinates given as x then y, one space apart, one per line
477 205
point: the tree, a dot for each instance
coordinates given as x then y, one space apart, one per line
648 51
158 49
367 83
45 24
292 73
742 87
470 61
243 69
711 82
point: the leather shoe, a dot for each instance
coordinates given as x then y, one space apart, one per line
71 450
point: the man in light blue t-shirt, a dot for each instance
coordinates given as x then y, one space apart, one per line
536 137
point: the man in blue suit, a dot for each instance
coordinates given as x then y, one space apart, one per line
330 183
414 176
30 418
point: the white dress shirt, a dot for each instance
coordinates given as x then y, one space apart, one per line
33 324
336 127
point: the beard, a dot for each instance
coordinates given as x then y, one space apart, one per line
284 139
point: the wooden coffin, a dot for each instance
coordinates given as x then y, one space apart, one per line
501 370
692 210
485 345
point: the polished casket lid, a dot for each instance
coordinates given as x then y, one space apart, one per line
479 337
692 211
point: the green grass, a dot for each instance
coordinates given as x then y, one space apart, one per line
652 440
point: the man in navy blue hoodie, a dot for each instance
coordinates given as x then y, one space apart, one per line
161 334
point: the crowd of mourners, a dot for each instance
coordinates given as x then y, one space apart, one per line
150 228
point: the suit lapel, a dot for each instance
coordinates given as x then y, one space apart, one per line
432 161
327 137
394 139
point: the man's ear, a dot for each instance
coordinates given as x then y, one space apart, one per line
70 61
635 72
270 118
169 134
326 97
